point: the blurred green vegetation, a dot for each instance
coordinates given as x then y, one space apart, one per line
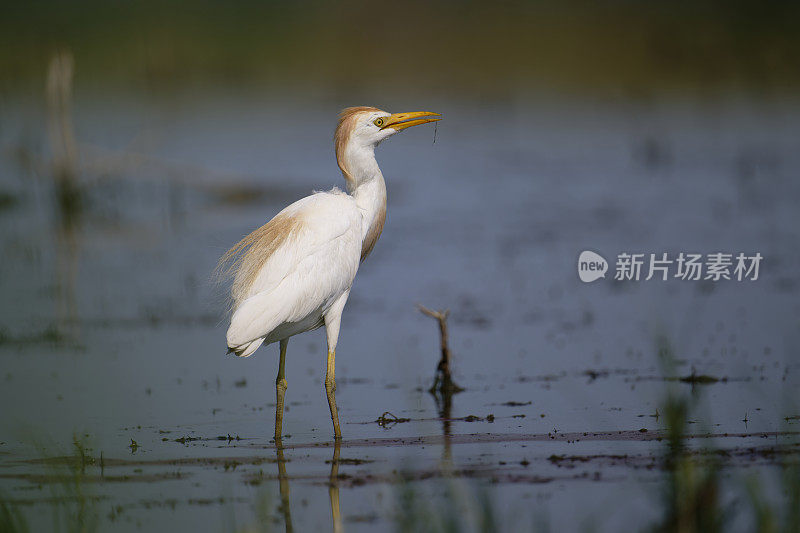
442 48
463 507
692 494
71 504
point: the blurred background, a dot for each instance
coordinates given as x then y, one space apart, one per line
139 140
454 50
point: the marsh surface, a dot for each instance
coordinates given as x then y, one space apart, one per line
117 397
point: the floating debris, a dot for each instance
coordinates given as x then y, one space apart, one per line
387 419
344 461
516 404
701 379
184 440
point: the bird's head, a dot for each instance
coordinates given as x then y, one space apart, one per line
363 128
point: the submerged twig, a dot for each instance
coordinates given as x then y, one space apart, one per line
59 99
62 136
443 382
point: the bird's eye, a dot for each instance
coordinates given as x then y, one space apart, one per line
378 122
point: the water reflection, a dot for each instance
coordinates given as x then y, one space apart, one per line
444 406
283 482
67 252
333 487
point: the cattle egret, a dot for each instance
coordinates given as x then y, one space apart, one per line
294 273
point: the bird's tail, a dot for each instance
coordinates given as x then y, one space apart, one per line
246 349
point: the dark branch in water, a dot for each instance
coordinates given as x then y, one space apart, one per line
62 136
443 382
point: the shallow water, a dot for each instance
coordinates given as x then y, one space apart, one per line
113 331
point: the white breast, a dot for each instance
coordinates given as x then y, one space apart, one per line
305 274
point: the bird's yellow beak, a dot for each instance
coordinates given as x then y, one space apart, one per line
401 121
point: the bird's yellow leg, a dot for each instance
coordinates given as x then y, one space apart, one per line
280 388
333 319
330 388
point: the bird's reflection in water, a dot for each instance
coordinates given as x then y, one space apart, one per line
333 487
283 482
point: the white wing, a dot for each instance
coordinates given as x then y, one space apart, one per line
300 279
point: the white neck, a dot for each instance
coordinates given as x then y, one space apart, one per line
365 183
